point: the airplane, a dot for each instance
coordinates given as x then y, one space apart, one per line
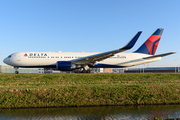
68 61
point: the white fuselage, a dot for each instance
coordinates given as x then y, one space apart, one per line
49 59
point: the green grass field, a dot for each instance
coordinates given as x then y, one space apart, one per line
55 90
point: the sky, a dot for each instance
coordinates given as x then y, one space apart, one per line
89 26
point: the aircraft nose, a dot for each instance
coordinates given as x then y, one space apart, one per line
6 60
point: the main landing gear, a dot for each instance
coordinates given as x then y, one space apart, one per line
86 69
16 70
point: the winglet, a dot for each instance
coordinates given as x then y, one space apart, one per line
132 42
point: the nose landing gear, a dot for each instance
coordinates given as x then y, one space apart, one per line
16 70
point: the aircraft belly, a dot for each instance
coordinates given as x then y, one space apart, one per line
114 62
37 62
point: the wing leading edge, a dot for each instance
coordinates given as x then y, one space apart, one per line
99 57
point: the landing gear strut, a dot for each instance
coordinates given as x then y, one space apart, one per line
16 70
86 70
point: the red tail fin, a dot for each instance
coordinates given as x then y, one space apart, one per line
151 44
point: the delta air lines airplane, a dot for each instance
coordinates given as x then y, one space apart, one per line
67 61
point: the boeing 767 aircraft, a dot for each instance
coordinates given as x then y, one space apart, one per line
67 61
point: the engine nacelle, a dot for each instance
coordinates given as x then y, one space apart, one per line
63 65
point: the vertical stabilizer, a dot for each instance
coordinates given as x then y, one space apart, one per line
151 44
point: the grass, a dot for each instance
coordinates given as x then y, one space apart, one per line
54 90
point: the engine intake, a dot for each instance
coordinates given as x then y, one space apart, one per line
67 66
63 65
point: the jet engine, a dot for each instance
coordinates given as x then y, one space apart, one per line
67 66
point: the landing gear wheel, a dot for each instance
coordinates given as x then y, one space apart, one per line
88 71
16 72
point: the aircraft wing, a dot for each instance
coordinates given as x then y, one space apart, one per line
161 55
101 56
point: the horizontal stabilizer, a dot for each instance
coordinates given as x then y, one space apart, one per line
161 55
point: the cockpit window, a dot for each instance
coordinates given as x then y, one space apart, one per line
9 56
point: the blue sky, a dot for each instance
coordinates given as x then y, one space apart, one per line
90 26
